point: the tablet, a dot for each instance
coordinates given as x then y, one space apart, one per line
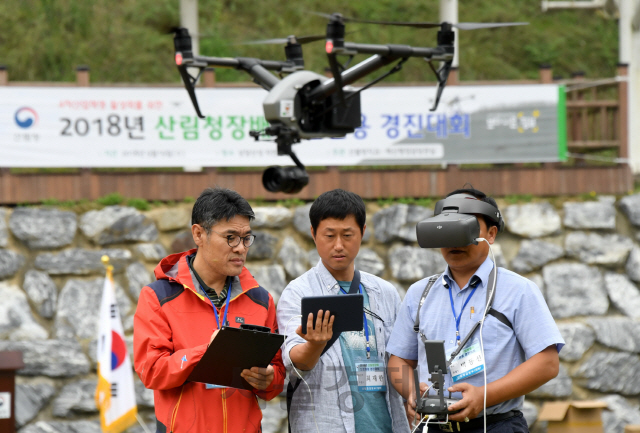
347 310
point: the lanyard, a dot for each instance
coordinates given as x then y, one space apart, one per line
364 318
215 310
458 317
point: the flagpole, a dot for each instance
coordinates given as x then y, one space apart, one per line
106 262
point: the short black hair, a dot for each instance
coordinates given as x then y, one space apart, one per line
217 203
480 196
337 204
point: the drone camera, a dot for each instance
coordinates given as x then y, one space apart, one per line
289 180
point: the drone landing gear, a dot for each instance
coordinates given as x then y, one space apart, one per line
289 180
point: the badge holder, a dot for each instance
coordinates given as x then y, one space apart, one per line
436 404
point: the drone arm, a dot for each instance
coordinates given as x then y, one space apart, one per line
382 56
396 50
351 75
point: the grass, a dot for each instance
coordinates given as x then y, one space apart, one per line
125 41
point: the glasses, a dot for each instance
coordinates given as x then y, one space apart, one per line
234 240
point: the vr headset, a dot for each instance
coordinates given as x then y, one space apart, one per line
454 223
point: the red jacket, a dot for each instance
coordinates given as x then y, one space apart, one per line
172 327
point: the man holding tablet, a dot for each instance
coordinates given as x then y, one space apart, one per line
347 380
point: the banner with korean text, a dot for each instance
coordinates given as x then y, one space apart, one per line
157 127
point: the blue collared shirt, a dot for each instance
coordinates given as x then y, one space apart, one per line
518 298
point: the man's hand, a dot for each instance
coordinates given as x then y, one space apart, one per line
471 404
259 378
322 332
410 407
213 336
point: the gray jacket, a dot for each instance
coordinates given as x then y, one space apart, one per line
328 380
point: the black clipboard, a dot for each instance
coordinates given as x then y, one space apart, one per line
232 351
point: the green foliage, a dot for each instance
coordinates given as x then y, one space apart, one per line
418 201
189 199
128 41
518 198
54 202
291 202
111 199
139 203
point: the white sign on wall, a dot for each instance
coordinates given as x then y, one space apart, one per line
5 405
151 127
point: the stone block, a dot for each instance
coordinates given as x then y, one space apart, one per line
413 263
623 294
590 215
53 358
619 413
63 427
368 261
630 206
578 338
117 224
138 277
533 254
43 228
273 217
16 320
398 222
610 372
79 261
272 278
620 333
301 220
151 252
42 291
78 307
30 399
10 263
264 246
76 398
172 218
532 220
596 249
293 258
574 289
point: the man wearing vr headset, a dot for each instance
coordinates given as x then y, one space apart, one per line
520 338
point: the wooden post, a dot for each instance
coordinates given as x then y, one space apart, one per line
546 73
209 77
454 77
9 363
4 75
623 110
82 76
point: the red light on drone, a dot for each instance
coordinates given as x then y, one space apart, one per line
329 47
178 59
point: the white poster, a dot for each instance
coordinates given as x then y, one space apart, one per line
5 405
158 127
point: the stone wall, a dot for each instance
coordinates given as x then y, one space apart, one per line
584 256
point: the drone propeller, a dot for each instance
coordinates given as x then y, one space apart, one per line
420 25
288 40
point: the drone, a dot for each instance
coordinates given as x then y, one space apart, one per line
302 104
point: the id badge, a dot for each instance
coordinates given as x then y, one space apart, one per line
371 375
212 386
469 362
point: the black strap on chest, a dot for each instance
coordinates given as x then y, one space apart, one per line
291 388
490 310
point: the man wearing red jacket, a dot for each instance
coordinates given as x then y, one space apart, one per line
196 293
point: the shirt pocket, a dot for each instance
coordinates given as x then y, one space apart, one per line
494 332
